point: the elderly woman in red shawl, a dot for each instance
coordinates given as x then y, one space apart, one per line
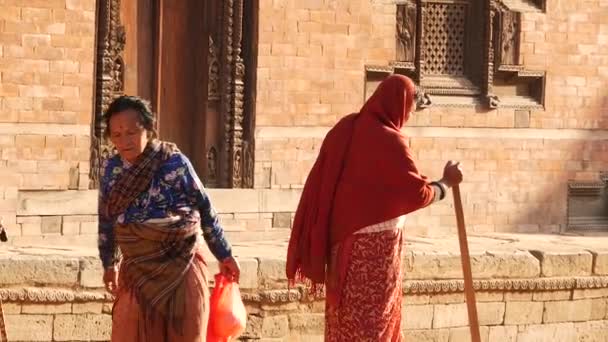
347 229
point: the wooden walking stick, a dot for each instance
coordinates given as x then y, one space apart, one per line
3 337
469 292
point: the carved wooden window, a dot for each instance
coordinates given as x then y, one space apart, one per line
463 52
444 39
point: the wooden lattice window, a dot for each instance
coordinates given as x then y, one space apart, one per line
444 39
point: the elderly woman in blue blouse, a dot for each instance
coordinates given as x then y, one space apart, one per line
152 206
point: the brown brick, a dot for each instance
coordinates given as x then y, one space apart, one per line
51 224
29 14
33 141
64 66
36 40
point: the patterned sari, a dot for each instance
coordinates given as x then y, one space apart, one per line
368 307
162 293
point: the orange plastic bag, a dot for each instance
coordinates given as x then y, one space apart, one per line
227 315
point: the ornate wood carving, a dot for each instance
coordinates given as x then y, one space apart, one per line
464 48
213 93
212 176
109 81
406 32
508 43
233 92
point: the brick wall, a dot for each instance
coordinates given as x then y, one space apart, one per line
46 95
311 59
311 72
514 181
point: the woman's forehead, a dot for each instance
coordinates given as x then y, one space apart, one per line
127 117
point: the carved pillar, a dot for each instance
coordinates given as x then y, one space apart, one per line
237 101
109 81
490 12
213 98
232 86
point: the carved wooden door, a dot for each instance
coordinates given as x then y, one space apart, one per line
192 60
165 59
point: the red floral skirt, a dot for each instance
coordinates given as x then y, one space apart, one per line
369 306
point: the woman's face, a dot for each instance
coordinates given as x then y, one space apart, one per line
128 134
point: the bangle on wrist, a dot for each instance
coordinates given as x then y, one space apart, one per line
442 187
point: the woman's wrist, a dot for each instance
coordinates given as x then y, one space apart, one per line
445 183
442 186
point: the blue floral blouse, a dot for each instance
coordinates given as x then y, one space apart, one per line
175 187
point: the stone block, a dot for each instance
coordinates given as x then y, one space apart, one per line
442 265
29 327
275 326
249 273
11 308
600 265
284 307
31 229
574 311
592 331
70 228
305 338
281 220
427 335
46 309
223 200
565 263
548 296
518 296
253 330
89 228
489 296
272 272
563 332
590 293
51 225
450 315
464 334
28 270
446 298
91 273
522 118
491 313
88 327
87 308
524 313
416 299
57 203
417 317
306 323
272 201
502 334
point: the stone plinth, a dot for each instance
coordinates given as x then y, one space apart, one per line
58 291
